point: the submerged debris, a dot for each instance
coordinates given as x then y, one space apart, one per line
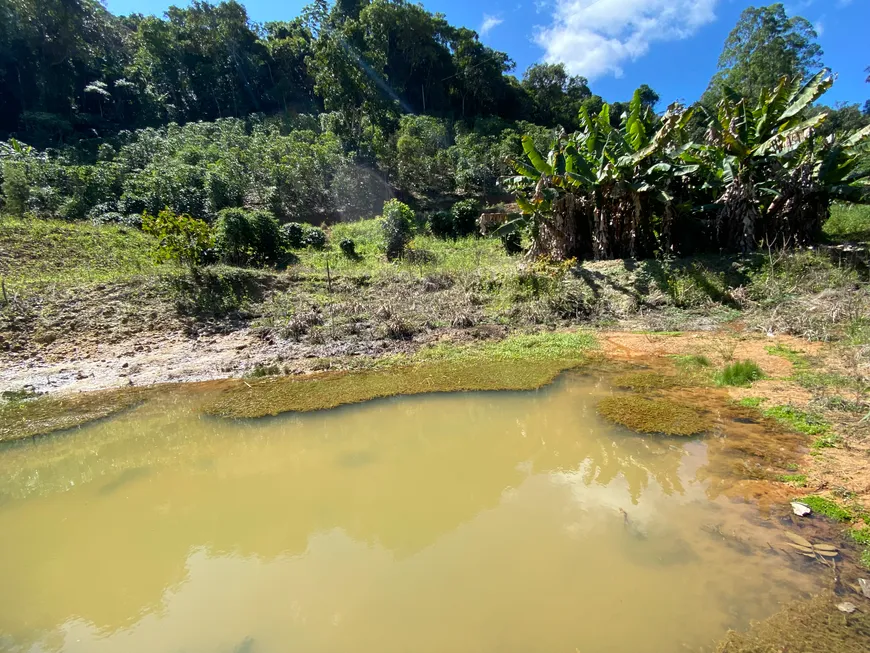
810 550
653 415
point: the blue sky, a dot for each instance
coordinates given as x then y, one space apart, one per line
672 45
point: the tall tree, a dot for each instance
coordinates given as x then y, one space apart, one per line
556 95
763 47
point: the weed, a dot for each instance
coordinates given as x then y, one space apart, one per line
827 508
740 373
798 420
653 415
793 356
860 535
751 402
828 441
823 380
260 370
800 480
691 360
865 558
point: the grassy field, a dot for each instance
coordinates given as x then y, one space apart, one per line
40 252
848 223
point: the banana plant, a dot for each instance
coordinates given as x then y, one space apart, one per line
597 190
752 144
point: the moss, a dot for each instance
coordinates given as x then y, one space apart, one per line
865 558
826 507
522 362
798 420
644 381
739 373
807 626
751 402
795 479
653 415
25 419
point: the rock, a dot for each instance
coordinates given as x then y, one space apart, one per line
865 587
800 509
846 607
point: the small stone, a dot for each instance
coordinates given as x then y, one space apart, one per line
865 587
800 509
846 607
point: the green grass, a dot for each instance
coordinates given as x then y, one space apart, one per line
690 361
826 507
848 222
798 420
794 356
40 252
865 558
751 402
799 480
860 535
812 380
462 255
740 374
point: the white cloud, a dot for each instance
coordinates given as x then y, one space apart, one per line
489 22
596 37
819 27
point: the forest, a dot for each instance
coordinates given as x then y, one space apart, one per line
326 117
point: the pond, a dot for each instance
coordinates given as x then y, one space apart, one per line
465 522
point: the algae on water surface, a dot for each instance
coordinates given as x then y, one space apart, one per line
522 362
32 417
653 415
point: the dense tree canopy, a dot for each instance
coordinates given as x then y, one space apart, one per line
764 46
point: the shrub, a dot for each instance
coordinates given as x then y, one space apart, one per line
442 225
348 248
740 373
234 236
465 214
16 190
181 238
397 225
267 238
110 217
293 234
315 238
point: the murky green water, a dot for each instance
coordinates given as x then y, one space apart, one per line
482 522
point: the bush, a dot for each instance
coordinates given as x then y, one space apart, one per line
267 243
740 373
182 238
16 190
442 224
234 236
315 238
348 248
465 214
397 223
293 234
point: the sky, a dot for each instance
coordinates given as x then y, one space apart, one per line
672 45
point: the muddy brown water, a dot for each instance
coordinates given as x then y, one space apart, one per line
468 522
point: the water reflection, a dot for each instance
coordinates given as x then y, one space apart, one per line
476 522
